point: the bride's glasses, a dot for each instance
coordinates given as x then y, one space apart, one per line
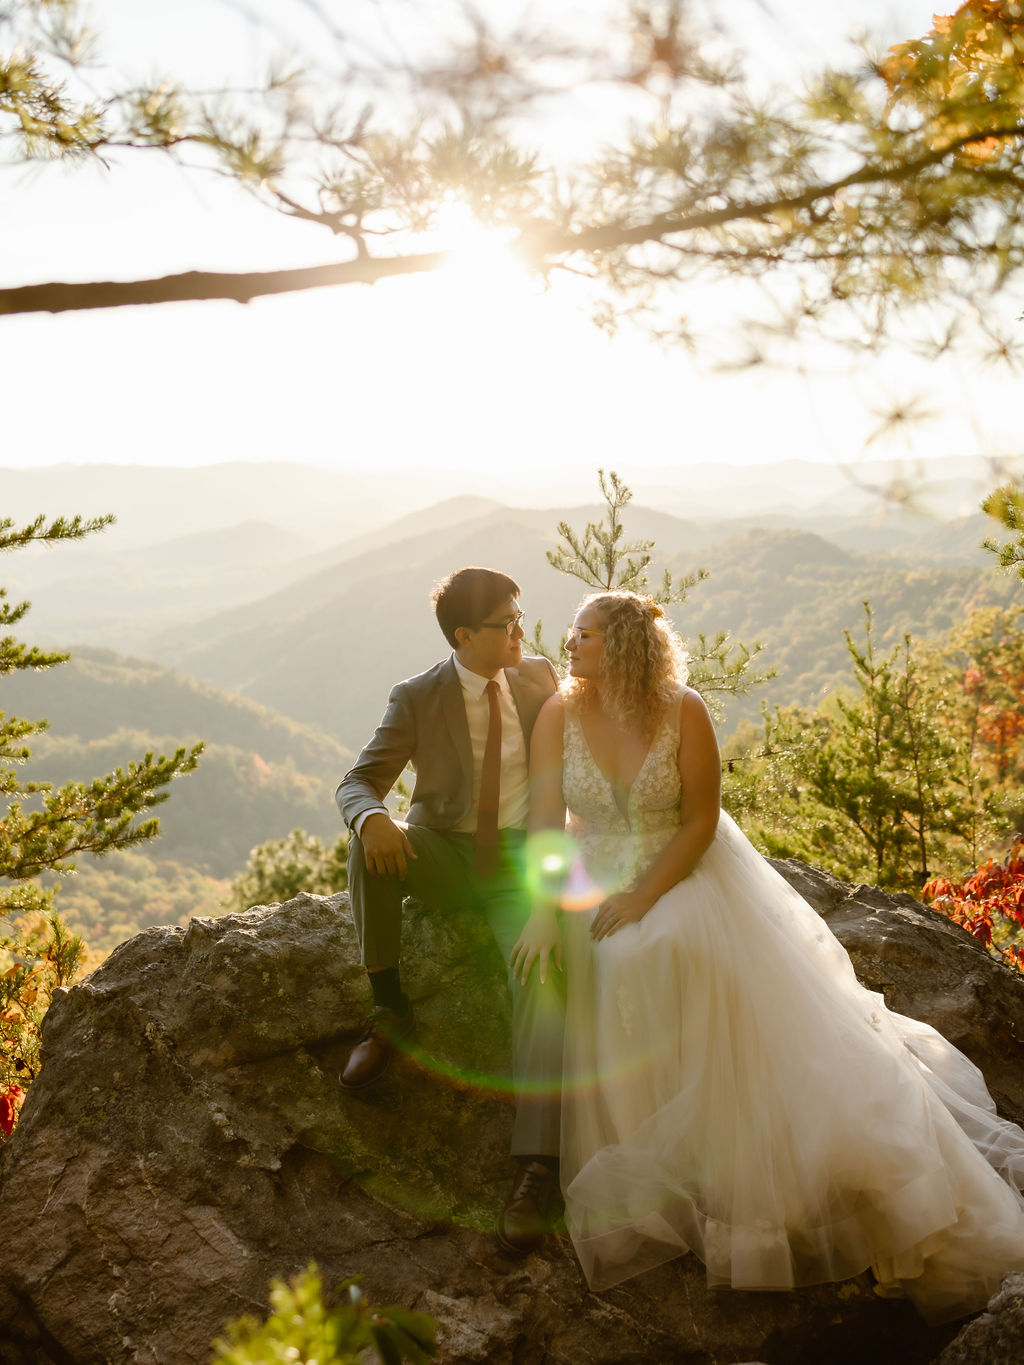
571 633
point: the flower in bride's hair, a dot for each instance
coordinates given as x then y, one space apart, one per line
652 608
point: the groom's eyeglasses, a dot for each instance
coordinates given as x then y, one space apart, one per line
507 626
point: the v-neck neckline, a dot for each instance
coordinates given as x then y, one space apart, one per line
625 788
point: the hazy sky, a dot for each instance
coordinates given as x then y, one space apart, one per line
476 369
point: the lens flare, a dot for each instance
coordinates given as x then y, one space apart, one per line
580 891
555 870
549 855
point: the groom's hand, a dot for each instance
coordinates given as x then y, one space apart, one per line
386 846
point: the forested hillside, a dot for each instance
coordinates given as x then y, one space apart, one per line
798 592
109 900
327 651
98 692
234 800
261 775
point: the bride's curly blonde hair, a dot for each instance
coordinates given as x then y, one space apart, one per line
644 663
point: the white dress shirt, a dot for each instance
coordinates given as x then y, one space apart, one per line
514 792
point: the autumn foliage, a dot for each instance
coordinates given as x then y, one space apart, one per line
989 904
970 66
1000 727
37 957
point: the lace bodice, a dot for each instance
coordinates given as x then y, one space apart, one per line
619 841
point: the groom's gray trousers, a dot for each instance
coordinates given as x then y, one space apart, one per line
443 875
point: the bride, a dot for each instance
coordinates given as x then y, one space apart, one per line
729 1088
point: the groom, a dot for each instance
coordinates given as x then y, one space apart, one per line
465 727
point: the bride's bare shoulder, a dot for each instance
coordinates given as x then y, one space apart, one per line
554 706
693 708
546 738
688 696
550 717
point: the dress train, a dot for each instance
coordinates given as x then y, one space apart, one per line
730 1088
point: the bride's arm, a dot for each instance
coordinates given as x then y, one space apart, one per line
700 771
540 940
547 806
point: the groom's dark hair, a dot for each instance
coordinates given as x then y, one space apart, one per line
468 596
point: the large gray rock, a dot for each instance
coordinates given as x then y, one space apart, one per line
996 1337
186 1141
929 968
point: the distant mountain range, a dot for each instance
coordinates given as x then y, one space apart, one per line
153 504
327 650
798 593
321 634
268 611
325 506
194 550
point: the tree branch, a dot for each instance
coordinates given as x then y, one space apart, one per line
540 242
205 285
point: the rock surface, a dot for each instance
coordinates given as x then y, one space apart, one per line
995 1337
186 1141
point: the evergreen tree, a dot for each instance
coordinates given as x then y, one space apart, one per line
282 868
933 770
601 559
848 778
1006 505
883 782
45 827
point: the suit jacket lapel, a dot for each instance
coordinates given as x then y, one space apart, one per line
454 707
527 704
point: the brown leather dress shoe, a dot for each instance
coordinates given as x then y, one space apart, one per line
526 1218
372 1055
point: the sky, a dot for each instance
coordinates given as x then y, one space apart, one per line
472 370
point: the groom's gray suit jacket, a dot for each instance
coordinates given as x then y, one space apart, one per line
425 724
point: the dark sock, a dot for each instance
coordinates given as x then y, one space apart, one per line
387 990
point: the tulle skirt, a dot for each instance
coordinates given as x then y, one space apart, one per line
731 1090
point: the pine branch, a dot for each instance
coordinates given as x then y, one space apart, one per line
541 243
15 655
95 818
601 561
1006 506
47 533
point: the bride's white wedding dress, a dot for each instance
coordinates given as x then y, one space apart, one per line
731 1090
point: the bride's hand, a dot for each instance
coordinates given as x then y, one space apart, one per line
613 914
539 942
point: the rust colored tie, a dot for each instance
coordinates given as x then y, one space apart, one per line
490 783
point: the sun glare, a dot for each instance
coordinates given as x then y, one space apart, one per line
485 292
477 253
484 311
